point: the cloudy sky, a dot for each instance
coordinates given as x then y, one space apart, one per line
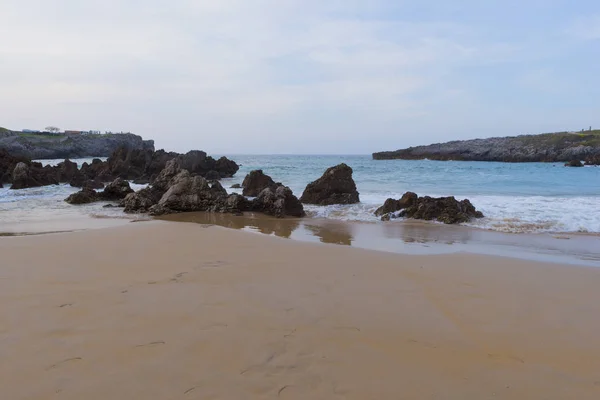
300 76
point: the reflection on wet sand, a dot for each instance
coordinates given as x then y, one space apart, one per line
255 222
332 233
419 232
410 237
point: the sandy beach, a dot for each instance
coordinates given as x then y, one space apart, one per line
166 310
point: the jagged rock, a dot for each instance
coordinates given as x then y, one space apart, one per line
81 181
212 175
255 182
8 162
67 171
226 167
574 163
32 175
84 196
442 209
279 202
140 201
93 184
143 200
191 193
236 186
390 206
116 190
336 186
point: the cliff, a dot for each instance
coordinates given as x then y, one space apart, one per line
548 147
38 146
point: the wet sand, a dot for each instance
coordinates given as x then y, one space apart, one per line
413 237
162 310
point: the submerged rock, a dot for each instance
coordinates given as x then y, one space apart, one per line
574 163
390 206
336 186
442 209
255 182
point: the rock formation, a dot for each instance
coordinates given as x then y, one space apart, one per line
255 182
391 206
116 190
177 190
278 202
336 186
548 147
574 163
442 209
31 146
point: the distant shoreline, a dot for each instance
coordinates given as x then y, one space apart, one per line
547 147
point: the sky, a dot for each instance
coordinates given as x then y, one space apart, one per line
300 76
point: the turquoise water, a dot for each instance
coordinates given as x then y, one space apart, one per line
532 197
525 197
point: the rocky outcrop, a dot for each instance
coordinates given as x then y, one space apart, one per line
177 190
8 163
40 146
574 163
116 190
408 199
236 186
32 175
336 186
143 166
442 209
255 182
84 196
279 202
548 147
195 193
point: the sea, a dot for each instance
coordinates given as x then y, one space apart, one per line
516 198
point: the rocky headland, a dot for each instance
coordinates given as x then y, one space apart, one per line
47 146
549 147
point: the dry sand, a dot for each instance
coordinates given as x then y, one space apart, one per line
161 310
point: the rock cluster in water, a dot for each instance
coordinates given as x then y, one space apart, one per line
139 165
442 209
178 190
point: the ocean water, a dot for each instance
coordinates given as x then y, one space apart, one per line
525 197
519 198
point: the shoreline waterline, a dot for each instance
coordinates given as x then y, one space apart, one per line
410 237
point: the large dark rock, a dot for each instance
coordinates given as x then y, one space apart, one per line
67 171
442 209
193 193
33 175
390 206
143 200
116 190
593 160
279 202
8 162
84 196
336 186
574 163
255 182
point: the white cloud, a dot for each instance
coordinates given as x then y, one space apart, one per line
240 68
585 28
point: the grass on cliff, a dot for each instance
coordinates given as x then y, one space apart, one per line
563 139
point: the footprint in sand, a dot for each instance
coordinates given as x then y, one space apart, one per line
213 264
151 344
63 362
